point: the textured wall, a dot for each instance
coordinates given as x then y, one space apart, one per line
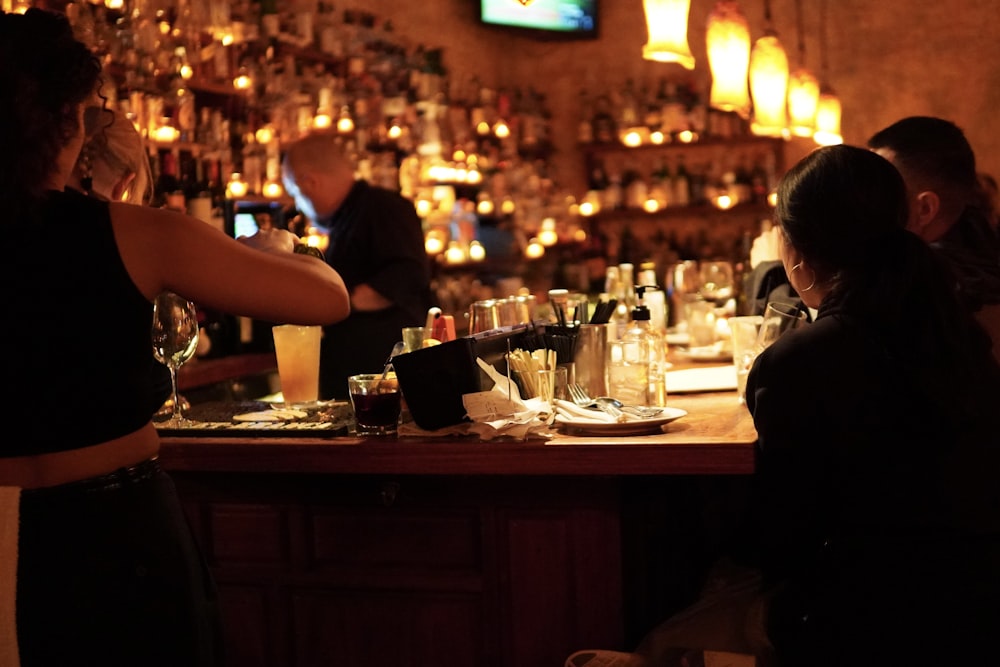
887 59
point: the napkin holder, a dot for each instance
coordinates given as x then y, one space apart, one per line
433 379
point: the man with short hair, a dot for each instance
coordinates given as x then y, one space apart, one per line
377 246
946 207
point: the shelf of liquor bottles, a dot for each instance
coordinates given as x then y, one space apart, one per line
681 178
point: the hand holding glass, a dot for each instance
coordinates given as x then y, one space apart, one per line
175 338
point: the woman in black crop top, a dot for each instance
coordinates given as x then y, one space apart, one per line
97 563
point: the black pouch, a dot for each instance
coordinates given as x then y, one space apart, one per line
433 379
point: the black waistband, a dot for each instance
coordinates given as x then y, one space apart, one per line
111 481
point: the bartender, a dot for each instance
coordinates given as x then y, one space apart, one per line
377 246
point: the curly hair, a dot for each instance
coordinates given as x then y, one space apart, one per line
45 73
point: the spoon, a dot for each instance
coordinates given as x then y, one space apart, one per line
638 411
397 349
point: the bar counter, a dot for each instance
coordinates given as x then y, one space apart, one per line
421 551
715 437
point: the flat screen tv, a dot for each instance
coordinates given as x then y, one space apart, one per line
548 19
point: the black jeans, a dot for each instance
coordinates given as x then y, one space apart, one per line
109 574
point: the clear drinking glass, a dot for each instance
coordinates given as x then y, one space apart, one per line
175 339
743 334
779 318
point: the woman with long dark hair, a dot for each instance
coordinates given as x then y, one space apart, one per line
97 563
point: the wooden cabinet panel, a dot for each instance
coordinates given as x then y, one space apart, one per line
247 534
396 538
249 633
559 589
390 629
410 572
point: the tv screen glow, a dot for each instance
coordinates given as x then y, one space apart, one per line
567 17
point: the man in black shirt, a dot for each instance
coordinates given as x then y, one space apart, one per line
377 246
947 207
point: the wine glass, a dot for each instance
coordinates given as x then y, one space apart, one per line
175 338
717 281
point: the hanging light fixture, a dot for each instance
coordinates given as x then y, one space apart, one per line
803 88
727 38
828 109
769 82
666 25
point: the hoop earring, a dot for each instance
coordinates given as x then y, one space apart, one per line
811 285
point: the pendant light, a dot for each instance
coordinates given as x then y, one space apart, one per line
666 25
803 89
769 82
828 108
727 38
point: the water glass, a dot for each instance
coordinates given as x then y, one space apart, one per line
743 331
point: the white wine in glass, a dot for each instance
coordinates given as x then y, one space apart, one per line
175 338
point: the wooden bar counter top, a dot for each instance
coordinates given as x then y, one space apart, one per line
448 550
715 437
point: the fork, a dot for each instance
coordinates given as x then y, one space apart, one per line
583 399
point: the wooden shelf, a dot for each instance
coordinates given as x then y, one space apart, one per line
771 143
682 212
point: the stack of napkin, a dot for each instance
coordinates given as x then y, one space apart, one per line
573 413
502 412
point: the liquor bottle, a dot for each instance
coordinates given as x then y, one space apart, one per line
682 183
585 127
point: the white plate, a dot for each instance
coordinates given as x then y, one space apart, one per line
313 405
634 427
678 338
691 380
706 353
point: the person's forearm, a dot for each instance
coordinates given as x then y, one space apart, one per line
365 298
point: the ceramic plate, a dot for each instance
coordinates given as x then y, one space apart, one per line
634 427
707 353
314 405
711 378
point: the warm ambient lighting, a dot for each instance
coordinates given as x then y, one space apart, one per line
803 98
803 88
265 134
455 254
477 252
534 249
828 107
547 235
769 86
728 42
828 118
434 243
242 81
236 187
345 123
272 189
666 26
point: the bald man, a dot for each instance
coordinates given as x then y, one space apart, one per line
377 246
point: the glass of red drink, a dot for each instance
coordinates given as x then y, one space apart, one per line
376 403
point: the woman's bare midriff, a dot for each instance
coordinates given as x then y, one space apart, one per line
44 470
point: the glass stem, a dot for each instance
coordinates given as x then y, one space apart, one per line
178 416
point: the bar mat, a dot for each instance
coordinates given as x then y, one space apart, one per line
216 418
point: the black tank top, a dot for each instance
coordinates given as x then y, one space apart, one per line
77 359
